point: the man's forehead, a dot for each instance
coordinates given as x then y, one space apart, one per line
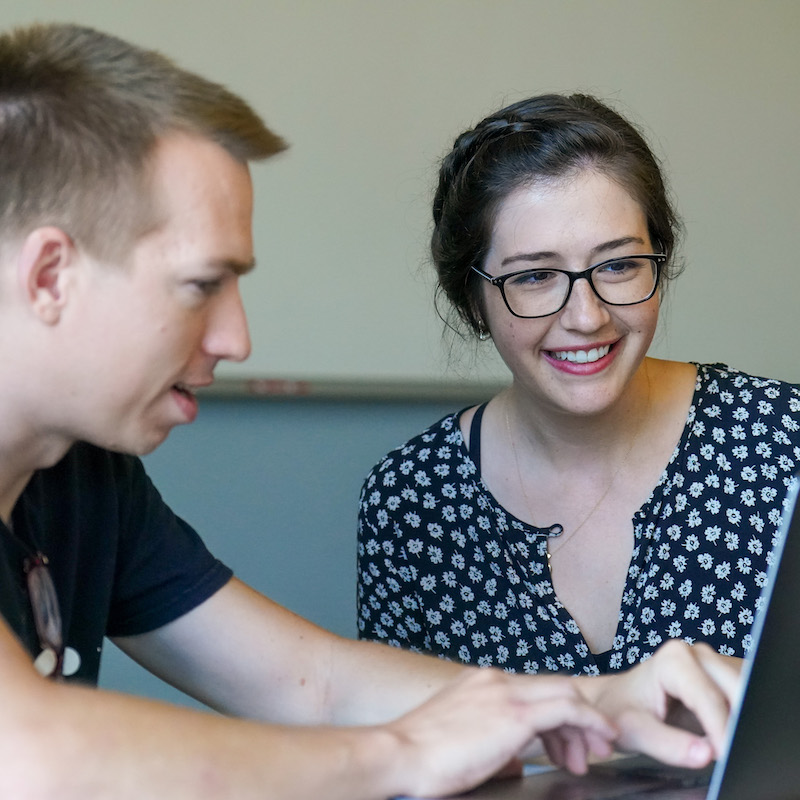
204 198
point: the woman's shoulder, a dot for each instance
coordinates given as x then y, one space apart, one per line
740 408
427 463
730 382
444 433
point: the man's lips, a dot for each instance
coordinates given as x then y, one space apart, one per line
184 388
186 400
192 388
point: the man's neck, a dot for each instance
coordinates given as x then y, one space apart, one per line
9 494
18 461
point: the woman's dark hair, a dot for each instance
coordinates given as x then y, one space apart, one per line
545 137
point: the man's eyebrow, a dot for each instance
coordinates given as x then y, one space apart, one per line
605 247
234 265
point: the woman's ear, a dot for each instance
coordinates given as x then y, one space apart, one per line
46 267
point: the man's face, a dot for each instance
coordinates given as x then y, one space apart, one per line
145 334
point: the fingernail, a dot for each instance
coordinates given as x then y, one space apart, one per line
700 753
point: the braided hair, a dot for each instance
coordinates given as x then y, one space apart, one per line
541 138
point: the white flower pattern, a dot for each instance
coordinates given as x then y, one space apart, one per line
442 567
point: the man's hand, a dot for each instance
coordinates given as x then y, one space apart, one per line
655 703
479 725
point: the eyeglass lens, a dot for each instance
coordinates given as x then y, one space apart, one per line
540 292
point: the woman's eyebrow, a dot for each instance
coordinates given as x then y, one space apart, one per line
538 256
615 244
605 247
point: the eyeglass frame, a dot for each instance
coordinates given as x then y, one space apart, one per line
586 274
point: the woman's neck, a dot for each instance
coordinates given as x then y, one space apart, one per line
565 439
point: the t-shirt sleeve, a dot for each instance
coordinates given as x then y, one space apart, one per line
163 569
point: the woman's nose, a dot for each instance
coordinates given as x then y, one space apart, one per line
584 310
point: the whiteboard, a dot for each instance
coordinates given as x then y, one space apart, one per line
370 94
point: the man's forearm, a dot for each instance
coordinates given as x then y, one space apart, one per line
92 744
373 683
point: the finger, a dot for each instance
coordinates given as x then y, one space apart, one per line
725 671
645 733
680 673
576 751
567 748
570 746
555 747
598 746
692 685
579 745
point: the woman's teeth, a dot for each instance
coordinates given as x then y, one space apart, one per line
581 356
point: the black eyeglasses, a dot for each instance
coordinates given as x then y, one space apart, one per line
46 617
623 281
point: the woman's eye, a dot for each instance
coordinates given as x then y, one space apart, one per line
619 266
534 279
623 270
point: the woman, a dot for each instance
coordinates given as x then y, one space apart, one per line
605 501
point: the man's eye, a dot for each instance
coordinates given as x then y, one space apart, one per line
207 286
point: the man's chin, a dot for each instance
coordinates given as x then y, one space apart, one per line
140 445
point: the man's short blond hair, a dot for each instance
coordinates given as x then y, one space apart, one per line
80 114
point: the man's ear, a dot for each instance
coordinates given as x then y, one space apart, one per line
46 270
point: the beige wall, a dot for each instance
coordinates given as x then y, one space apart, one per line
370 94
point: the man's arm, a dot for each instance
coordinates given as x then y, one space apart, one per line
461 725
66 741
243 654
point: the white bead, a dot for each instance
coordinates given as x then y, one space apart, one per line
72 661
46 662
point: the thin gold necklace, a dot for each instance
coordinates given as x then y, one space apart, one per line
603 496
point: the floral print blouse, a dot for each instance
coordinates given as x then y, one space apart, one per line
443 568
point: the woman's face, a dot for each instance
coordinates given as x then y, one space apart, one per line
581 359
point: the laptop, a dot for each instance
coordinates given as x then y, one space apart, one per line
761 760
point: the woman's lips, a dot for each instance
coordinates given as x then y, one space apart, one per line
580 356
583 361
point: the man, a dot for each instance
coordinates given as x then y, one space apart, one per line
125 214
